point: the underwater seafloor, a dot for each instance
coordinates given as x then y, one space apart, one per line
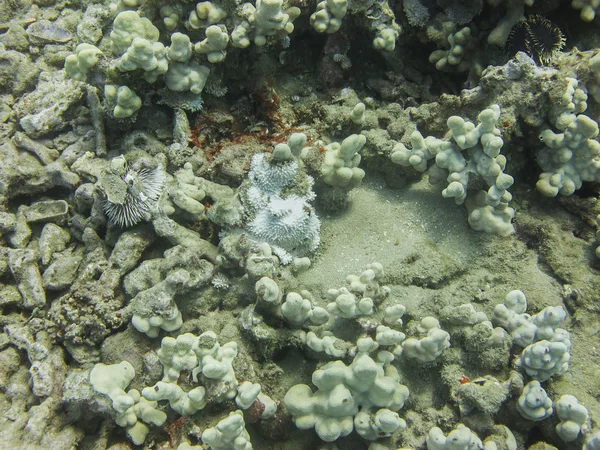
220 230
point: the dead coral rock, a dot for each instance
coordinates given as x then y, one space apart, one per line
24 268
52 106
17 72
21 173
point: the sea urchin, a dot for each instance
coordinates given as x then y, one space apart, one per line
536 36
131 197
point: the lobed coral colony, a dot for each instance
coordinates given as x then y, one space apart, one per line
286 224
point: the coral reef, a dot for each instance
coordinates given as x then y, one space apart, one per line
193 195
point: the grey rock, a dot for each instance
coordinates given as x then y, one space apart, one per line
84 197
21 235
8 222
21 173
53 239
15 37
9 296
48 427
3 261
130 247
152 271
179 235
90 28
45 155
61 273
44 31
52 106
17 72
10 359
25 271
56 211
75 150
97 113
158 301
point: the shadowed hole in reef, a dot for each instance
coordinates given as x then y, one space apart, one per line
286 353
56 193
535 436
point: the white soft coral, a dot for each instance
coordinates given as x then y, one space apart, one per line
277 204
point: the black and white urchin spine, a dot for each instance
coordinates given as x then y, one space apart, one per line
144 188
536 36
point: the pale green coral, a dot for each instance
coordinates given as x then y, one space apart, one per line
215 362
298 308
461 438
190 76
124 5
111 380
214 45
327 343
170 16
545 359
248 393
270 19
357 115
122 101
594 84
570 158
569 105
363 396
176 355
230 433
204 15
589 8
386 39
127 26
573 418
268 291
151 57
515 12
458 56
183 403
151 326
328 16
240 36
131 409
534 403
429 347
79 64
488 210
181 48
264 20
340 166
